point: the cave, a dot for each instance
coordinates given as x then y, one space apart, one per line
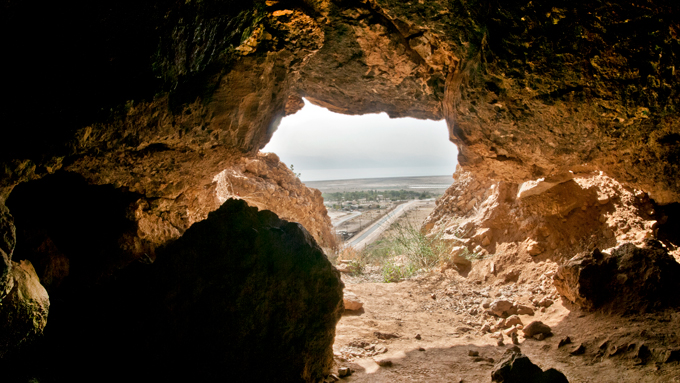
125 255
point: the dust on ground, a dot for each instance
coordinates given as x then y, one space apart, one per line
426 327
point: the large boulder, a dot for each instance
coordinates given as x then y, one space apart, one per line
630 278
241 296
23 312
24 303
515 367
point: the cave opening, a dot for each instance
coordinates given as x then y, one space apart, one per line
323 145
366 166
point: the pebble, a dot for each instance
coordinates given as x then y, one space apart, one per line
545 302
524 310
351 301
514 338
421 349
384 363
580 349
512 320
418 336
564 341
536 327
473 353
501 308
344 371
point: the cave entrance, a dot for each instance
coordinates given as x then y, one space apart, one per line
322 145
370 168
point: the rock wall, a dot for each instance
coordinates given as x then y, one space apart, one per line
265 182
549 219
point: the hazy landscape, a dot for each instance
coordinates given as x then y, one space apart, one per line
432 184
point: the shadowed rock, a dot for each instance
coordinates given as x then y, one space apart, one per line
514 367
241 296
630 278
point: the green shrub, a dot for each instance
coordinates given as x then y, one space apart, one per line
404 252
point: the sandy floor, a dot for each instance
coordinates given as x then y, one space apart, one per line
445 309
407 309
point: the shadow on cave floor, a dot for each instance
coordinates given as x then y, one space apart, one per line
440 310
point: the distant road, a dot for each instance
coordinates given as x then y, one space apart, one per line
346 218
372 232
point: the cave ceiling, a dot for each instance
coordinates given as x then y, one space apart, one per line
157 97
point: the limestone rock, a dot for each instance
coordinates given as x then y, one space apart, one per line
502 308
514 367
524 310
351 301
630 278
512 320
265 182
24 310
458 256
531 188
536 327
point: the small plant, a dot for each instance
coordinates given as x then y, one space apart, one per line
392 272
355 267
404 252
292 169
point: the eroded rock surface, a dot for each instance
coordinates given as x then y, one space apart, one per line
23 311
517 223
265 182
629 278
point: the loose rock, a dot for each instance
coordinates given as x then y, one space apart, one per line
514 367
512 320
536 327
580 349
351 301
524 310
385 335
502 308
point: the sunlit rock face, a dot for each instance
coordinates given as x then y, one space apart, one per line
265 182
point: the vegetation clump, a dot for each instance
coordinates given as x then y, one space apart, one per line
403 252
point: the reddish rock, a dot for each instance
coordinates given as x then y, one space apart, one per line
536 327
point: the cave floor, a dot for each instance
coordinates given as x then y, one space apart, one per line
445 310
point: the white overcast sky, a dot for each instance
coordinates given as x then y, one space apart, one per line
325 146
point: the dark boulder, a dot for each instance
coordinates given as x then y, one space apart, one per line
631 278
242 296
515 367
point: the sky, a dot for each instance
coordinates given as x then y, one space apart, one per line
322 145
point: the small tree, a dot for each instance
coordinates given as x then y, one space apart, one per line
292 169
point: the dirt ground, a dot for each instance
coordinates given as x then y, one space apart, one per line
434 320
